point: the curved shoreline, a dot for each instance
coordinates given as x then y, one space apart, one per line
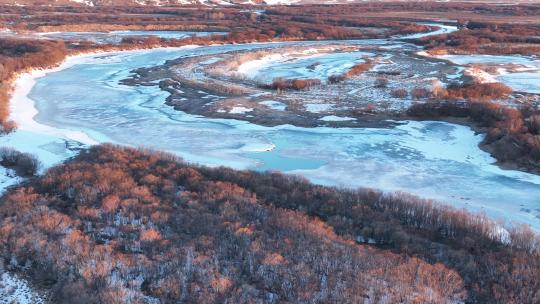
28 124
28 130
324 170
23 108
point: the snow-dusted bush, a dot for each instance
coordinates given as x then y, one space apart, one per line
25 164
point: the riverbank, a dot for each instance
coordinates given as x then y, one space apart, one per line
36 138
406 158
194 79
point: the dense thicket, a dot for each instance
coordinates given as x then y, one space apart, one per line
24 164
121 224
18 55
281 83
274 23
488 38
195 17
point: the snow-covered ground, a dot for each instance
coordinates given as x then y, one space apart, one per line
493 59
318 107
431 159
240 110
16 290
7 178
275 105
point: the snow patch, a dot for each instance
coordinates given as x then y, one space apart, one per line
336 118
7 178
14 289
240 110
480 75
274 105
85 2
318 107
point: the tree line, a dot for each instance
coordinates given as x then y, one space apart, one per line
21 55
487 38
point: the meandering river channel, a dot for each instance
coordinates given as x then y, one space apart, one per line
83 102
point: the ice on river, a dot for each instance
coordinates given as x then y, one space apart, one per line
116 36
442 29
493 59
431 159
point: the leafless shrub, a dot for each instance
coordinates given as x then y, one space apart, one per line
399 93
420 93
381 82
281 83
25 164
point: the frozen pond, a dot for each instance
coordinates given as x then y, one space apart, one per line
116 36
524 77
305 65
431 159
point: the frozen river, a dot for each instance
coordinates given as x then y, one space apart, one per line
116 37
83 102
